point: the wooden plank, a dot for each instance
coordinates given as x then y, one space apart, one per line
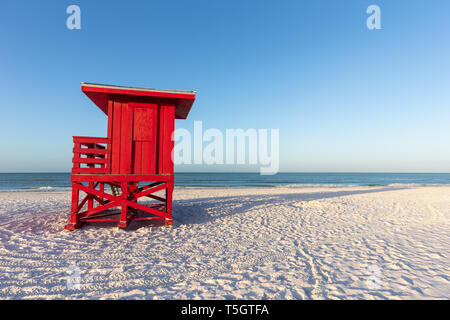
110 119
74 209
92 145
101 215
123 214
80 206
89 170
110 128
100 220
117 120
120 200
111 178
76 155
151 185
148 157
137 157
161 124
175 94
90 197
151 190
98 209
152 196
81 139
126 138
170 130
102 189
89 160
89 151
143 122
166 128
147 218
169 192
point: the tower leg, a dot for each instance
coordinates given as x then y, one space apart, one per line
73 220
91 199
168 221
102 189
123 223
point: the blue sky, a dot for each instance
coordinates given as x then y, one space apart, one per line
345 98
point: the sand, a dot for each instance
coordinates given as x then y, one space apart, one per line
268 243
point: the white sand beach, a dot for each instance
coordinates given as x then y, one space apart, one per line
268 243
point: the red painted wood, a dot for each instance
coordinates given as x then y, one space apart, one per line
120 177
148 158
151 190
75 197
123 216
89 151
135 157
126 138
183 101
145 124
121 200
168 215
102 220
82 203
89 170
109 134
101 208
116 136
140 93
152 196
151 185
166 128
90 139
90 198
110 118
89 160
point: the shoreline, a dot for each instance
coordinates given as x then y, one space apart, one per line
261 186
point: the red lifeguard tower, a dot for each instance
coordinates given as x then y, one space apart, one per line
134 160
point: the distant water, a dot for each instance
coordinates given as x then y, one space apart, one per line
61 181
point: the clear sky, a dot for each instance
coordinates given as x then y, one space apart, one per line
344 97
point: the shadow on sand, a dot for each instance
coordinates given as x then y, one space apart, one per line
204 210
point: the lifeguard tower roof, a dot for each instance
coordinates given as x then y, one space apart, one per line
100 93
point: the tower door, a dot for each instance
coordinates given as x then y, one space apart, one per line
145 124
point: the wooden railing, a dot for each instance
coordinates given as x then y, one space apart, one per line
91 155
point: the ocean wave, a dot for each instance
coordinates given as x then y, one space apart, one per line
240 186
276 185
39 188
36 189
318 185
418 184
374 185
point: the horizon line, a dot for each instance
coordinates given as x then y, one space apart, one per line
194 172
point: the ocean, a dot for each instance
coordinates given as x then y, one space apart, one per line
61 181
